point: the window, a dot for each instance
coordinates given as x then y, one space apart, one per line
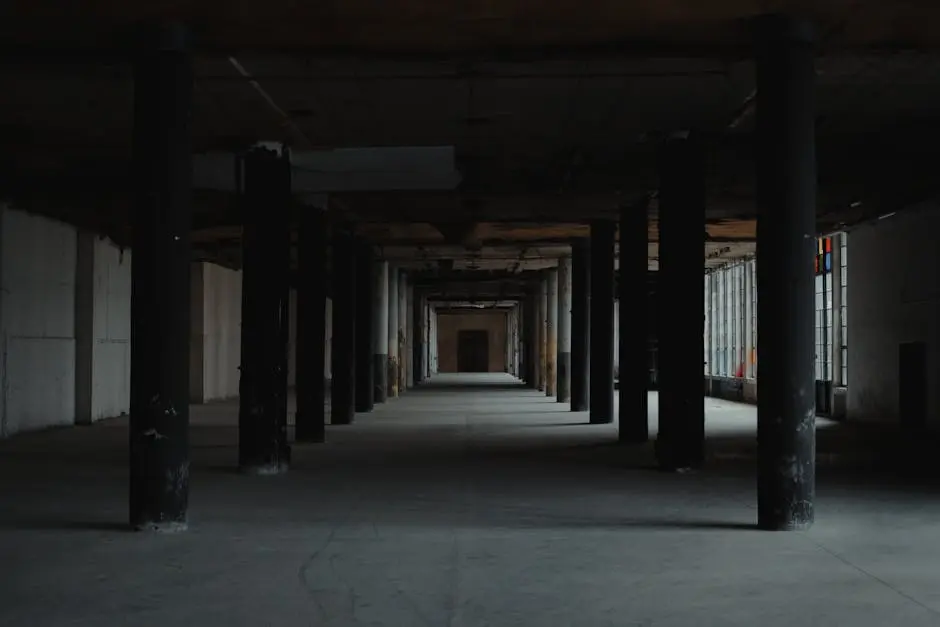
843 333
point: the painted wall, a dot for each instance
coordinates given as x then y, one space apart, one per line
215 343
893 297
102 329
37 322
449 326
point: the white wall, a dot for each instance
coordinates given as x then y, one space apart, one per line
893 297
102 329
37 330
215 342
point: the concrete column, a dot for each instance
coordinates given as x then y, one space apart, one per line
551 328
563 317
421 338
365 327
602 322
409 324
542 305
836 316
402 329
262 415
392 383
310 415
160 307
532 350
786 199
633 316
343 399
681 440
580 324
416 337
434 347
380 332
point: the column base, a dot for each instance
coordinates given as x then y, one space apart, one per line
380 374
563 391
392 377
674 458
163 526
313 434
264 470
778 526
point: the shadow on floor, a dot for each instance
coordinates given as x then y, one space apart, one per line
51 524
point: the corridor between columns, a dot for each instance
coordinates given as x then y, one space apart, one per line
472 500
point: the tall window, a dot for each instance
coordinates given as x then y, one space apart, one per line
730 320
731 341
825 340
843 331
752 358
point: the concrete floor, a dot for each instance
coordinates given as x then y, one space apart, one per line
468 502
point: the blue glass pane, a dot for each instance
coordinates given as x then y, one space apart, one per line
828 262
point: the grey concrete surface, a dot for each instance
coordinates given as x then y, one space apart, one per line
469 502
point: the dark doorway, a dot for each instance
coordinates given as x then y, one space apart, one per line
473 351
912 386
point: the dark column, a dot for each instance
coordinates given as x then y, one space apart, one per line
160 299
392 380
343 399
262 420
563 318
365 283
681 440
634 332
543 332
532 316
580 324
262 412
602 322
379 358
310 416
417 334
786 197
528 373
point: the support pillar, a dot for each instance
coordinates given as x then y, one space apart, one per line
580 324
563 319
602 322
633 324
402 330
392 382
786 198
681 441
160 307
262 414
343 352
408 324
543 332
310 415
380 311
551 330
417 339
365 283
532 350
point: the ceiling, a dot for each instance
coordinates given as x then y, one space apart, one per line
555 111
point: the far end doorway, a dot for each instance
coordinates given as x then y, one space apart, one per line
473 350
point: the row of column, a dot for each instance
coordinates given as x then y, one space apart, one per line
786 190
379 346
